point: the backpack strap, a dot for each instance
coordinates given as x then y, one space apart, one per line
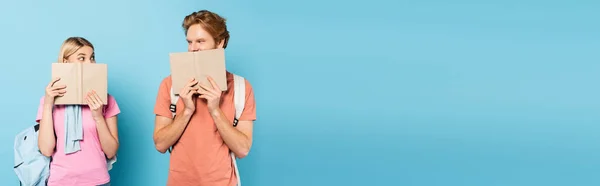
173 108
239 96
174 99
239 100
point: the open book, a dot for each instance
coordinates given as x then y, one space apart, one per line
199 65
80 79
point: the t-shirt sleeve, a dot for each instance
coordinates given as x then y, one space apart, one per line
40 110
163 100
249 113
112 108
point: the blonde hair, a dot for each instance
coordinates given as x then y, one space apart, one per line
70 46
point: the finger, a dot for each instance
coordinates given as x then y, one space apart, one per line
59 93
210 90
192 82
96 98
189 91
53 81
62 91
193 90
186 89
58 87
204 92
204 96
207 96
88 101
213 83
91 101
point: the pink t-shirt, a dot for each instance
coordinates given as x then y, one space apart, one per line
87 166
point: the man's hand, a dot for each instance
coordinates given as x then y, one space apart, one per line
187 95
211 94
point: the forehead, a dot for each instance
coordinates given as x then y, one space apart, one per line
86 50
197 32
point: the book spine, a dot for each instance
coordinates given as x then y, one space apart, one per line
196 71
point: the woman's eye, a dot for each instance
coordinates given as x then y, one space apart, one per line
81 59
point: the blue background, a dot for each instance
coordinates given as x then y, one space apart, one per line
376 92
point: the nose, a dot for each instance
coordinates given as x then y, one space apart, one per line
194 47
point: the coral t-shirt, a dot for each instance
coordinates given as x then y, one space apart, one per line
87 166
201 157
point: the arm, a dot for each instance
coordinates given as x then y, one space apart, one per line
167 131
108 134
238 139
106 123
46 138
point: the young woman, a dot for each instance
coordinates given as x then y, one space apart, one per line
79 138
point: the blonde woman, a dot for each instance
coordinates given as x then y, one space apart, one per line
78 138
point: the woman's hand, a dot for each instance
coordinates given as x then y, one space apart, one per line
52 91
95 104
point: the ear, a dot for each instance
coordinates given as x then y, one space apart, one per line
221 44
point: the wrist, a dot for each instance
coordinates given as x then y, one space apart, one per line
48 102
48 105
215 112
98 119
188 112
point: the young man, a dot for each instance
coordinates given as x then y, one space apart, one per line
202 132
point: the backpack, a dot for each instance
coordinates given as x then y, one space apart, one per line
239 99
31 166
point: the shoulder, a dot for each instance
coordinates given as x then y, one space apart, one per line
111 102
164 89
165 83
111 98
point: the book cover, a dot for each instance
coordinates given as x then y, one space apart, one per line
80 79
200 65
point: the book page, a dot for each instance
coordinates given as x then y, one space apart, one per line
211 63
68 76
94 76
182 69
